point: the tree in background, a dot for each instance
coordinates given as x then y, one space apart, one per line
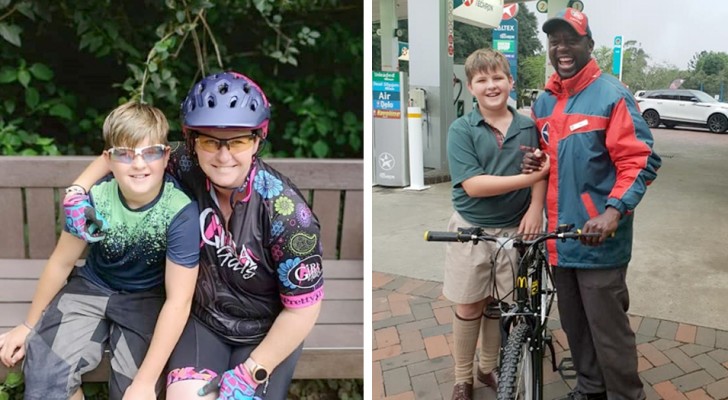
66 63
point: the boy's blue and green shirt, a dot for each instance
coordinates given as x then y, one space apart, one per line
132 256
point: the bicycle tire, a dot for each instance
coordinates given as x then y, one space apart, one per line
516 373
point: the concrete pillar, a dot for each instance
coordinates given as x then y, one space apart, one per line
431 69
390 42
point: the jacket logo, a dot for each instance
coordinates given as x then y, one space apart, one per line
545 133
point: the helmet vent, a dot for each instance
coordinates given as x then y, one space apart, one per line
200 88
223 88
233 102
246 88
253 105
211 102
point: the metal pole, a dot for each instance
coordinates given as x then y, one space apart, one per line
621 59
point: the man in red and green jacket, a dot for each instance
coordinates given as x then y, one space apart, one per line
602 161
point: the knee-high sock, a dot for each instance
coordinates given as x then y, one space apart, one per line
465 332
490 341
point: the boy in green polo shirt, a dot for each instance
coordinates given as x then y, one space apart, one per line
489 191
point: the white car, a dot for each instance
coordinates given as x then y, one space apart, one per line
672 107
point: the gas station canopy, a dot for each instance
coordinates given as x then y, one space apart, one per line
401 8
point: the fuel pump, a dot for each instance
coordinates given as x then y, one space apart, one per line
458 103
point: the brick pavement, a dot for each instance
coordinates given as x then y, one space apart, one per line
412 347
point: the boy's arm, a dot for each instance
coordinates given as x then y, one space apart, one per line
95 171
59 266
532 221
493 185
179 283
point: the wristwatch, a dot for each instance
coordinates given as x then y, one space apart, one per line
257 371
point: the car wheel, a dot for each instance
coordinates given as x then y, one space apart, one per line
652 118
717 123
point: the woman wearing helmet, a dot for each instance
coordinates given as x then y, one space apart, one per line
260 284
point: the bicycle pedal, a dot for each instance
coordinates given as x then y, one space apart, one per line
566 368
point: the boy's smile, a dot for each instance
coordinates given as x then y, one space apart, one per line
491 89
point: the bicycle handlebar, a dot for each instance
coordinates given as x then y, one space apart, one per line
460 236
476 234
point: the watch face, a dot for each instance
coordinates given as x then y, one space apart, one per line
260 374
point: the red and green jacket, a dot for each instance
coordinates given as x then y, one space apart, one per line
601 155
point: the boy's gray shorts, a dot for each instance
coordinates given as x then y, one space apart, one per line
75 330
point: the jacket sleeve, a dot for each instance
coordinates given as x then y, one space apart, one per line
629 142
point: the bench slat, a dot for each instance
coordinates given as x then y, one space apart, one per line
11 215
22 268
22 290
59 171
41 240
326 208
313 364
352 243
332 312
341 312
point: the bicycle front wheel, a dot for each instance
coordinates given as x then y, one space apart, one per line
516 374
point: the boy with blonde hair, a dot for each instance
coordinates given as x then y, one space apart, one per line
133 294
489 191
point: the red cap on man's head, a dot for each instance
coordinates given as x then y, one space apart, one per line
577 20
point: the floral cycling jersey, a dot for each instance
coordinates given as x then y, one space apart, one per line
266 258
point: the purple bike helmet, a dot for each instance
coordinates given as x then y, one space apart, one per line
226 100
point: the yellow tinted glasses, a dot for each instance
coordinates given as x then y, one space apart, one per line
212 144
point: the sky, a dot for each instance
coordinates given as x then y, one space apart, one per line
670 31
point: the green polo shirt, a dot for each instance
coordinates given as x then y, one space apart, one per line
472 150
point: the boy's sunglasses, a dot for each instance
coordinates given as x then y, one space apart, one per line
212 144
127 155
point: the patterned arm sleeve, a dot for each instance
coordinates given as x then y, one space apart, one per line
295 244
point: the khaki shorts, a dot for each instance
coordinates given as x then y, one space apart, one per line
469 267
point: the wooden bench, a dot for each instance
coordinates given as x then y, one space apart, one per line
30 216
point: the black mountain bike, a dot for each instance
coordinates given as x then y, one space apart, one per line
524 323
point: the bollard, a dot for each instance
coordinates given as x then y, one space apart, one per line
416 154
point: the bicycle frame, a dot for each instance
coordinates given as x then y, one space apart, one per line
528 316
534 295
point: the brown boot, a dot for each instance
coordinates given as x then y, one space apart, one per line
462 391
489 379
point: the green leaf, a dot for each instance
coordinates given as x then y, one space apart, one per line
180 16
26 8
4 3
13 379
320 149
292 60
41 71
62 111
9 106
4 395
44 141
11 33
8 75
32 97
170 4
28 152
24 77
